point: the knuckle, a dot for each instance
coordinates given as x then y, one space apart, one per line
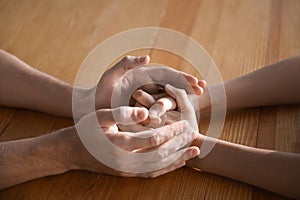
171 129
163 153
155 140
120 140
126 58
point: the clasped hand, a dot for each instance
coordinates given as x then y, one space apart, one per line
152 126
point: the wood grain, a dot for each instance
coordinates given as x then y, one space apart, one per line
240 35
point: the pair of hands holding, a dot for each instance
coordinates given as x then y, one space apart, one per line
152 124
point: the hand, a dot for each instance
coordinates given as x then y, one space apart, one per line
162 108
83 98
167 143
116 74
107 82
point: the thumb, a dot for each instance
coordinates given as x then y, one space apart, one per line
128 63
121 115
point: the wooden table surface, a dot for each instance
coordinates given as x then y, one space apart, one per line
240 35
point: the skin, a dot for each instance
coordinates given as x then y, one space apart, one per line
264 168
24 87
61 151
239 91
275 84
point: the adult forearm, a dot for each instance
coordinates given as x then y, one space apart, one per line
28 159
25 87
271 170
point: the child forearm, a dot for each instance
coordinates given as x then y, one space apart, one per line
275 84
272 170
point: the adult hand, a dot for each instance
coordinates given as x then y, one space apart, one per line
107 82
150 75
163 145
125 75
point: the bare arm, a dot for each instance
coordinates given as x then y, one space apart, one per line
272 170
25 87
275 84
27 159
58 152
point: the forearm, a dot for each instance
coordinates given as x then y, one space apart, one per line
25 87
28 159
271 170
275 84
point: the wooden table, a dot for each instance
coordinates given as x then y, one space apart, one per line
240 35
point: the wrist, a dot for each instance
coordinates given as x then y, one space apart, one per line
83 101
201 103
64 143
194 163
72 148
49 154
78 156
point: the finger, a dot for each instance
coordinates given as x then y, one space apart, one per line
157 122
187 154
161 106
137 104
180 96
127 63
184 105
144 98
130 62
146 122
122 115
202 84
198 90
176 143
150 138
152 88
173 116
134 128
160 172
160 95
164 75
190 78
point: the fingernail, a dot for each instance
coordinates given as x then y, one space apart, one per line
195 152
142 59
141 113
